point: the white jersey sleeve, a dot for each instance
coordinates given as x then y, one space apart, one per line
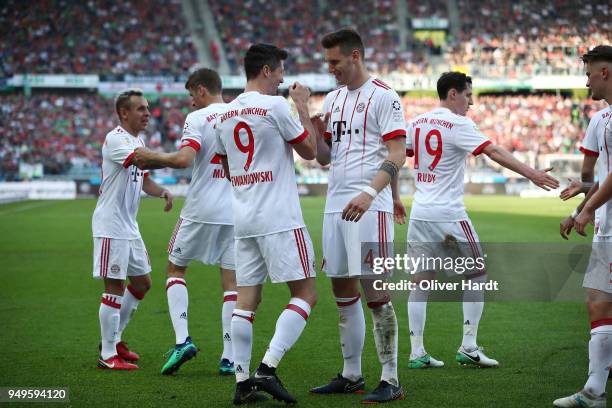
390 115
192 133
589 143
290 128
120 148
409 138
469 138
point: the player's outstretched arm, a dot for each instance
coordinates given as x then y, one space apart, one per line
307 148
153 189
147 159
538 177
567 224
598 198
587 176
396 157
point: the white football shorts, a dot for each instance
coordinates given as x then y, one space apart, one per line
599 270
435 241
120 258
349 247
285 256
211 244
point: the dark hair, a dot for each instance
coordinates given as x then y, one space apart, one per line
599 53
208 78
348 40
123 98
452 80
260 55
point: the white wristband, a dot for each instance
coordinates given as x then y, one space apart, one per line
162 193
574 214
370 191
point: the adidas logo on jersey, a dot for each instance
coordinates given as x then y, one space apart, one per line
183 316
337 109
227 337
239 369
177 250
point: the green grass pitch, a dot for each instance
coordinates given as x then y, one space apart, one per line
49 320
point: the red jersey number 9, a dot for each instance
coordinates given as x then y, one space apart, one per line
436 153
249 148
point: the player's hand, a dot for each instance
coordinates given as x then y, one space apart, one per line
399 212
320 122
545 181
580 222
299 93
572 190
166 195
355 209
142 157
566 227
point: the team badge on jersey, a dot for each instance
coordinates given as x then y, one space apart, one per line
360 107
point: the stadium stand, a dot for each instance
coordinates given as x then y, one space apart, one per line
94 37
513 39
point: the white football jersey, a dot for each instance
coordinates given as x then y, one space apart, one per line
117 207
590 148
440 142
209 198
361 121
598 142
255 132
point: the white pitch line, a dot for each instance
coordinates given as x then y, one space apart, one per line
25 208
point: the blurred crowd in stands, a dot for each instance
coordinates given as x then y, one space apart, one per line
65 132
94 37
486 37
528 37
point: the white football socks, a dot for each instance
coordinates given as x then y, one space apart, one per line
109 324
417 314
473 305
600 357
385 338
131 299
352 335
229 302
242 342
289 327
178 302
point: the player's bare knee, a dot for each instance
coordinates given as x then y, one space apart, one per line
228 279
599 308
114 286
304 289
345 287
175 271
141 284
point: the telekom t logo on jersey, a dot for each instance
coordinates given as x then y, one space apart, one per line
337 127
